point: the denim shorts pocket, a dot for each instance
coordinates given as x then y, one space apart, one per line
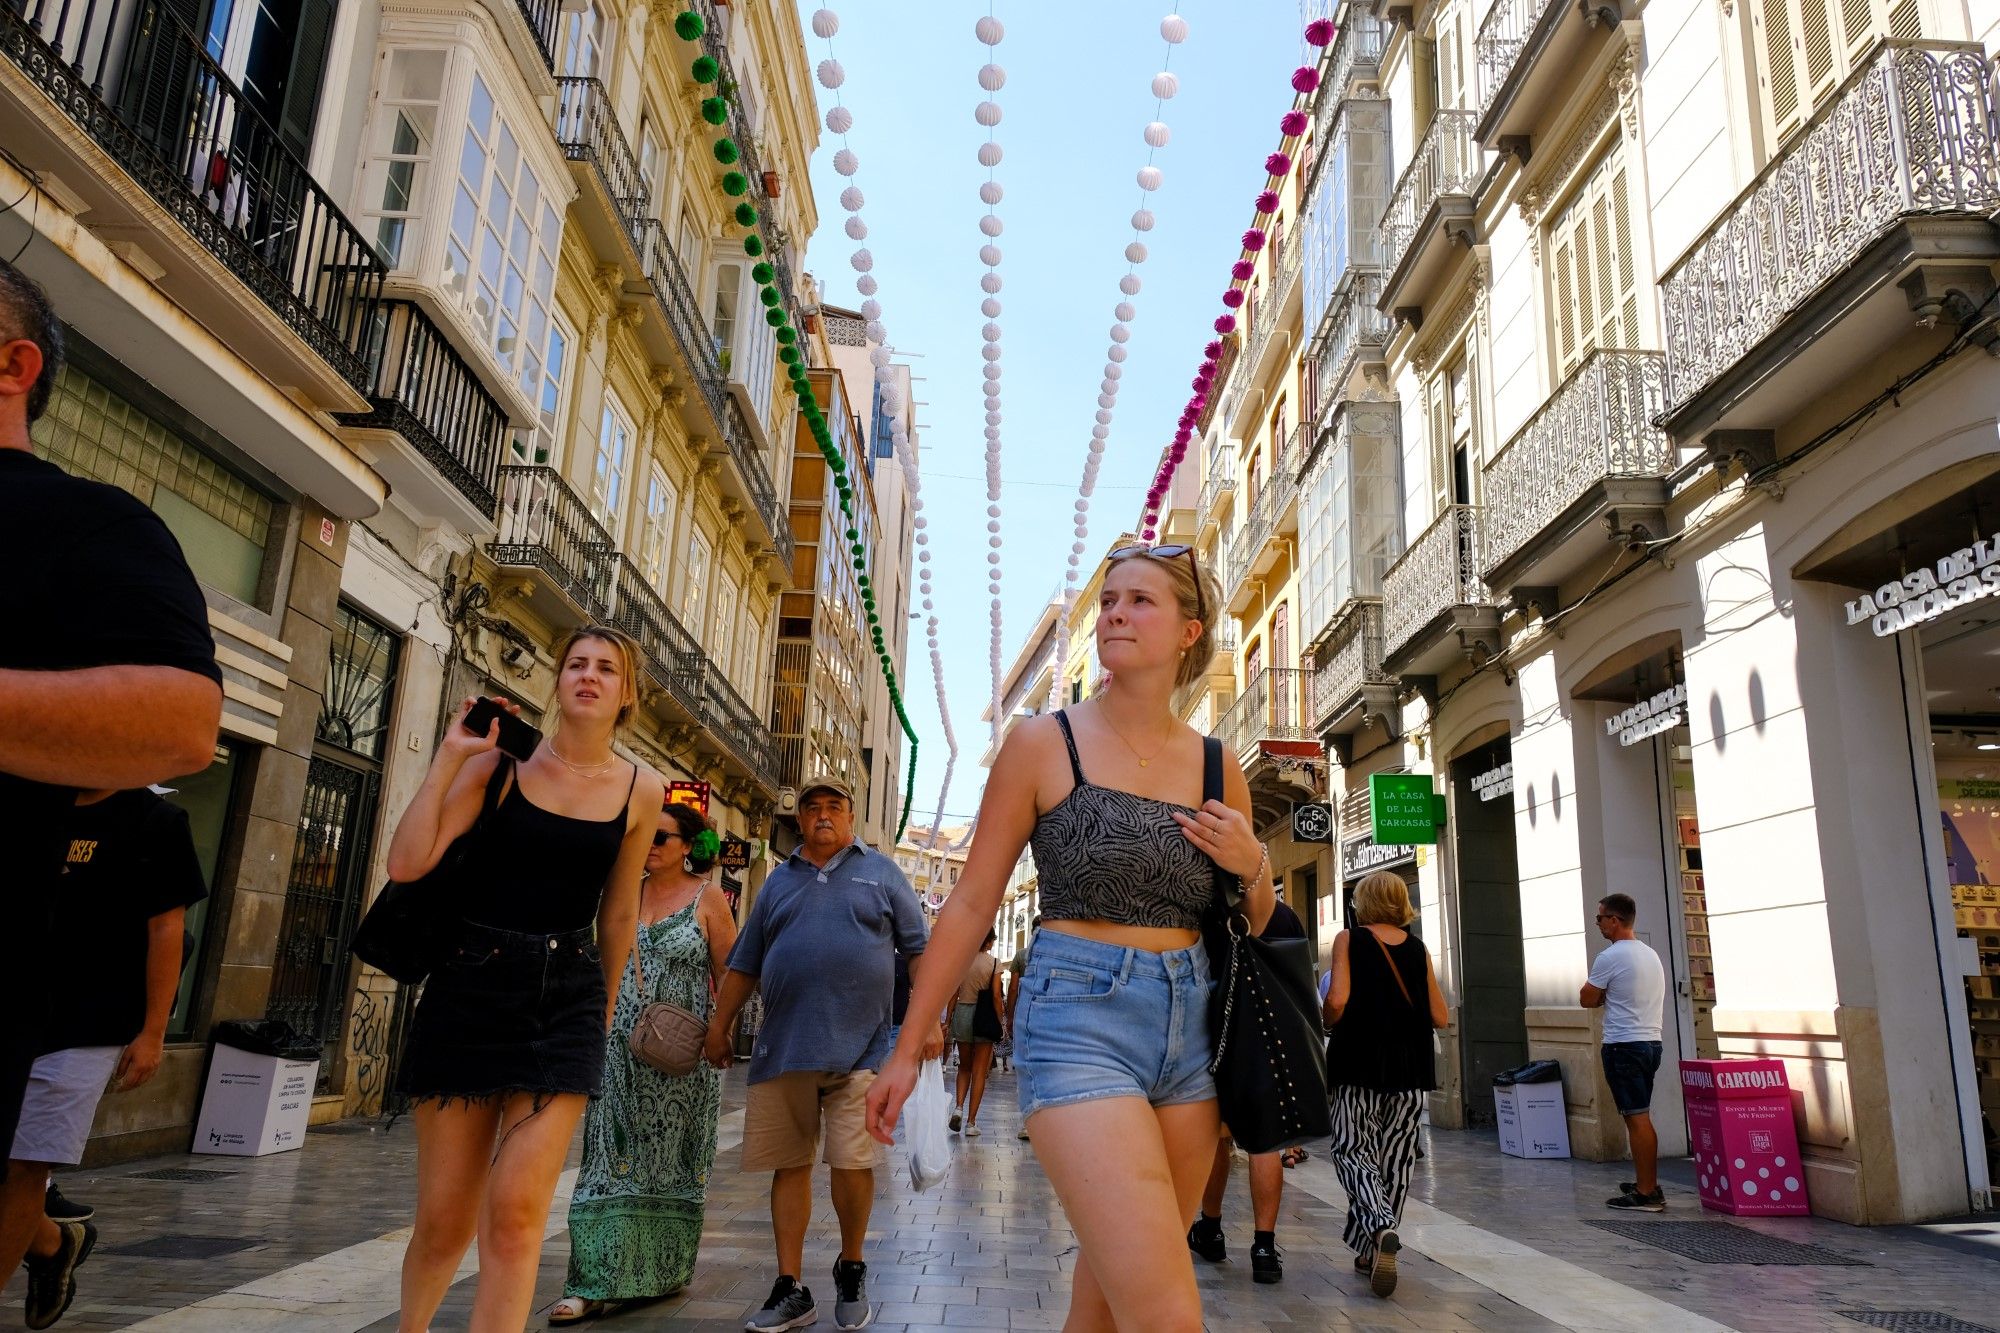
592 954
465 958
1073 984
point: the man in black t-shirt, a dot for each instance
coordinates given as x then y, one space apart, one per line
107 677
129 875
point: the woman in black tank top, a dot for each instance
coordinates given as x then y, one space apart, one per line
1112 1041
507 1043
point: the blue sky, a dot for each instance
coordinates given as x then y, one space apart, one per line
1076 99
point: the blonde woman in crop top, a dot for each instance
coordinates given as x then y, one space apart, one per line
1111 1032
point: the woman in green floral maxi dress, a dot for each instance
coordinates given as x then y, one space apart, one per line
648 1143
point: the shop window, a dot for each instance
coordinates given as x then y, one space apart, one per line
1595 300
207 797
223 522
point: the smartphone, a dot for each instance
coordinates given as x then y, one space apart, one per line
517 738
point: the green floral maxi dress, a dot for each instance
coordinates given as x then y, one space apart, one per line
649 1141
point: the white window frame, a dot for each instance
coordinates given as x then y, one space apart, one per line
543 443
656 542
1594 297
700 553
611 466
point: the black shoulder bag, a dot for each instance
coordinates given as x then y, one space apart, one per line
407 927
1270 1045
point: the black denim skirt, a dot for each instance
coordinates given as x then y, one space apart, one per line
509 1012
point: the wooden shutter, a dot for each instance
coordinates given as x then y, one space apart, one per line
1809 47
1782 103
159 94
303 79
1437 404
1596 297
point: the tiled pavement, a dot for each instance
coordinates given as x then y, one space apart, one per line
309 1241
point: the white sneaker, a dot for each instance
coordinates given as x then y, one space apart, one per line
972 1131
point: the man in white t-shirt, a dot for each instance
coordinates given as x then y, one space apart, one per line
1629 984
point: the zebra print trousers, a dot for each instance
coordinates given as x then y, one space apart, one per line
1374 1152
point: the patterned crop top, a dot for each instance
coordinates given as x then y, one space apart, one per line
1109 855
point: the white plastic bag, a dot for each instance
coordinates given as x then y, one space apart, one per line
924 1117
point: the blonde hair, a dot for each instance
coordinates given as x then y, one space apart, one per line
628 652
1383 899
1183 571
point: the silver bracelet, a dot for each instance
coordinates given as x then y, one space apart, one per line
1262 871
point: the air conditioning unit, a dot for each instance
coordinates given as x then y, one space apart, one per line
788 800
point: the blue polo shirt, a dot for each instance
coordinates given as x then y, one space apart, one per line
822 944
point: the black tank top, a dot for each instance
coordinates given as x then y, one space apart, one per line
536 871
1383 1041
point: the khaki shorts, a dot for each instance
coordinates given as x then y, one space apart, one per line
784 1116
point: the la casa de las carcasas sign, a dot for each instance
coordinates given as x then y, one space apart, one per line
1966 575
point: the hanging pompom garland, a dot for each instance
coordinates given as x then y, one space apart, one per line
1291 126
706 69
1156 135
990 31
839 119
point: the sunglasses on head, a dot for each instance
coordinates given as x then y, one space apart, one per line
1173 552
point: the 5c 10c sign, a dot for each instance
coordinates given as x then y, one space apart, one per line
1966 575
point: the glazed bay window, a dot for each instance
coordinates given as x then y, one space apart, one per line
455 195
608 472
745 346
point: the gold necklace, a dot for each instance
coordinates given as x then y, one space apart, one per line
582 770
1142 758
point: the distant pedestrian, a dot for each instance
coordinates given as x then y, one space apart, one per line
1267 1171
820 946
107 681
635 1216
1381 1009
508 1039
1629 984
129 877
975 1026
1016 969
1114 1040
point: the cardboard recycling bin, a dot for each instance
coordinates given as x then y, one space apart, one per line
254 1104
1528 1102
1744 1140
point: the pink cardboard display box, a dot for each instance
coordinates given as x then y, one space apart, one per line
1745 1143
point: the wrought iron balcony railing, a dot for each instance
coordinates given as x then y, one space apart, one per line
1272 707
1219 482
1502 35
1439 571
138 80
1232 346
425 392
1279 490
733 722
544 20
1357 51
1446 162
1355 660
545 525
1352 329
1271 309
587 129
1912 131
1597 425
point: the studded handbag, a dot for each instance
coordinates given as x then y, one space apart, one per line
668 1037
1269 1061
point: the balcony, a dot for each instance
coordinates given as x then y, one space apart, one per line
1275 312
546 528
747 481
1354 62
1435 607
535 39
1430 211
1273 513
1353 333
1350 688
692 682
132 79
453 430
1875 211
612 202
1218 485
1271 708
1220 674
1589 463
1529 53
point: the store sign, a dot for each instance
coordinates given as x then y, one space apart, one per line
688 793
1312 822
1922 595
735 854
1649 717
1358 856
1495 782
1403 809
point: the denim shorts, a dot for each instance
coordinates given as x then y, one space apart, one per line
1629 1067
1097 1020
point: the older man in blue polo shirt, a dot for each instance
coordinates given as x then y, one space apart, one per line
821 945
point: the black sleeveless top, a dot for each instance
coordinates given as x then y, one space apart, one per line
1383 1042
1109 855
538 872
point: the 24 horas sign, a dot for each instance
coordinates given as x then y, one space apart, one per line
1966 575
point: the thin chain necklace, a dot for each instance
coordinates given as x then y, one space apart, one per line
582 770
1144 759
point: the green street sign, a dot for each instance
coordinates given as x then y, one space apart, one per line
1403 809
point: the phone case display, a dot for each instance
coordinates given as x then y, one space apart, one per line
1694 912
1971 811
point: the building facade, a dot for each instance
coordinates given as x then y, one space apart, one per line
1648 510
425 332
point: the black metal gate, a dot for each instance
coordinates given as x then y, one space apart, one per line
322 904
